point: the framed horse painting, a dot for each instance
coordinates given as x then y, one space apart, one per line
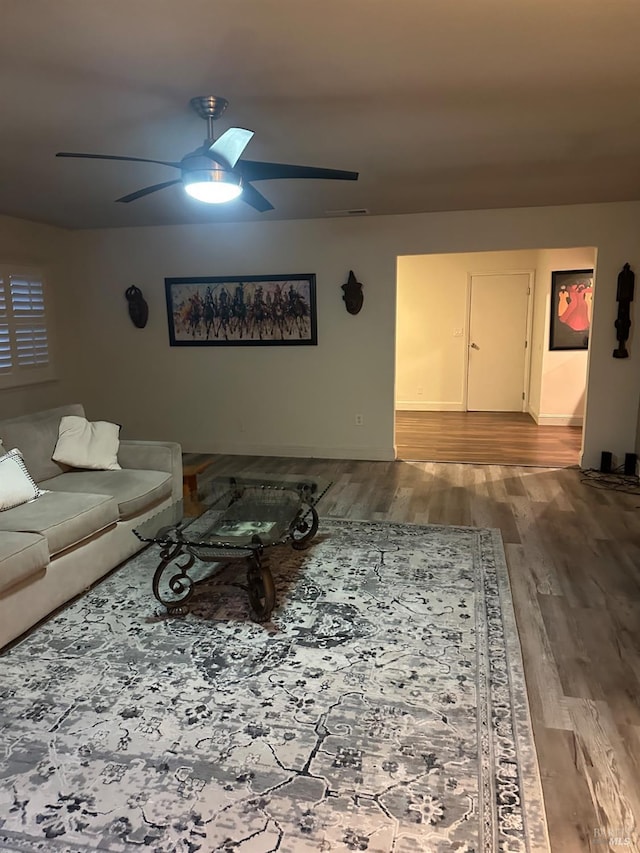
251 310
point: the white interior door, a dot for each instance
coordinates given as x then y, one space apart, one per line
498 321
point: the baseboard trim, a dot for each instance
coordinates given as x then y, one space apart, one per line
366 454
427 406
557 420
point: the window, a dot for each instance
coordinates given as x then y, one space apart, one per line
24 339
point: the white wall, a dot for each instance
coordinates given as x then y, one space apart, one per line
294 400
563 373
433 302
303 399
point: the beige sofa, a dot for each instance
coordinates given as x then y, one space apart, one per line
54 547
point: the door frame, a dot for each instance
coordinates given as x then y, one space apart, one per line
529 330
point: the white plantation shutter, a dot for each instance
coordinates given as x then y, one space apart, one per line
5 343
27 303
24 339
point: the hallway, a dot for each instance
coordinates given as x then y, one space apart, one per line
497 438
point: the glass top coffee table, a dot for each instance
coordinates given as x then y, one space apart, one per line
238 519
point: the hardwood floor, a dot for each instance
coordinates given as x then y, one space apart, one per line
498 438
573 553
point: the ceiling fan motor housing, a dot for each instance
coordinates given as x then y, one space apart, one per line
197 167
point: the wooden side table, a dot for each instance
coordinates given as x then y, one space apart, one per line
192 465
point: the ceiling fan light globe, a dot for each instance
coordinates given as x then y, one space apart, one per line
212 186
213 193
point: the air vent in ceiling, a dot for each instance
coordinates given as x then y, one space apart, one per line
356 211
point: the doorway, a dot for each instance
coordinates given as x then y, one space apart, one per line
445 305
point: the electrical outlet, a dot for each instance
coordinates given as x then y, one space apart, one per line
359 420
457 333
420 391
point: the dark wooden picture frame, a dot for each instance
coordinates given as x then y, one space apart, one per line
571 305
250 310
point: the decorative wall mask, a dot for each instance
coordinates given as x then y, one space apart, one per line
138 308
353 295
626 280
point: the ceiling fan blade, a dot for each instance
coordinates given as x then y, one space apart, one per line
228 148
255 199
252 170
114 157
147 190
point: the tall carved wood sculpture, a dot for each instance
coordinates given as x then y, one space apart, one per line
626 280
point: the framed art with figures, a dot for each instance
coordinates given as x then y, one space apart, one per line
571 306
253 310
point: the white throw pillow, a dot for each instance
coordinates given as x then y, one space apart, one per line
17 486
83 444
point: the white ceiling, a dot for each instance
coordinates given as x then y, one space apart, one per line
440 105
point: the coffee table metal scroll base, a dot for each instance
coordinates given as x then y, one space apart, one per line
260 588
180 584
296 523
173 587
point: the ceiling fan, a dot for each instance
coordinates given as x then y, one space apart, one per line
215 172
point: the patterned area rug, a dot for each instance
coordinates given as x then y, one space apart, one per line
383 709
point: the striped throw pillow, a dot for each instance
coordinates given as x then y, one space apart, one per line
17 486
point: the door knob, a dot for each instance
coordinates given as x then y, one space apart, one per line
474 346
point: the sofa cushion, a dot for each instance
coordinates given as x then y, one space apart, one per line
133 490
16 483
83 444
63 519
36 436
21 555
